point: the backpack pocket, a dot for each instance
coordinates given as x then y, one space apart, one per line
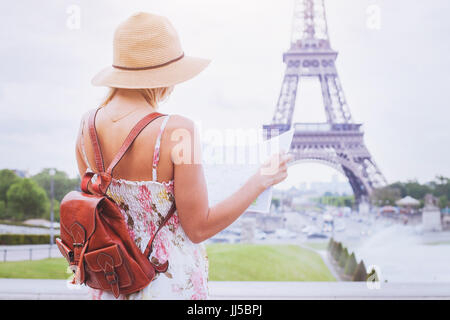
107 269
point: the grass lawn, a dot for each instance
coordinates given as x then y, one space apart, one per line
227 262
437 243
36 269
243 262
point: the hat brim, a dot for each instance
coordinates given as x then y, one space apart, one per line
165 76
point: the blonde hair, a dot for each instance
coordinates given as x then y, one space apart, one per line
153 96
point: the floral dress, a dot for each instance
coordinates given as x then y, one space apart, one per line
144 205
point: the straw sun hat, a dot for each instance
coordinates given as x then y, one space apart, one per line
148 54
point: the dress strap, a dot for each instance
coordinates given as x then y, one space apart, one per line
157 147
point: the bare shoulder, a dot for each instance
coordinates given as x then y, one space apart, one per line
85 117
83 124
177 121
182 135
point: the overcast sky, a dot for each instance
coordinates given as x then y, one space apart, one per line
395 78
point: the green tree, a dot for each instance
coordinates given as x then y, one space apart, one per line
337 251
351 264
26 200
441 187
276 202
336 200
7 178
416 190
330 244
386 195
349 201
2 209
360 272
56 206
343 258
400 187
443 201
62 183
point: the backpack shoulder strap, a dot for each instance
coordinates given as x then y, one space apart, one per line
148 250
137 129
94 140
102 184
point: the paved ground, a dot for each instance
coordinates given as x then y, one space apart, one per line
324 255
58 290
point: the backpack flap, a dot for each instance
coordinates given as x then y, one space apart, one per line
78 211
79 208
78 220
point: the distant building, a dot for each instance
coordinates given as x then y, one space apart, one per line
431 215
21 173
316 189
334 187
265 221
247 230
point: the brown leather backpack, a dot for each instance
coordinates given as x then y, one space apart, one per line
94 236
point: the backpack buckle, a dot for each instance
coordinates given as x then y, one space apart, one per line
113 275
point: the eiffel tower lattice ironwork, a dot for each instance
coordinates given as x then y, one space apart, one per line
339 141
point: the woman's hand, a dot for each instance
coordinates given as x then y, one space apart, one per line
273 171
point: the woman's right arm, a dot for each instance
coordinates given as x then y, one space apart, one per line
199 221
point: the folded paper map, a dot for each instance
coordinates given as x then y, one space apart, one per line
223 179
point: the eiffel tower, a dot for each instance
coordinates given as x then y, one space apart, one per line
338 142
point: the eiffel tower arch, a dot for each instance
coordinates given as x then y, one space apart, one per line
338 142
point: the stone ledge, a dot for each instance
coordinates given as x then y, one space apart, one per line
36 289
